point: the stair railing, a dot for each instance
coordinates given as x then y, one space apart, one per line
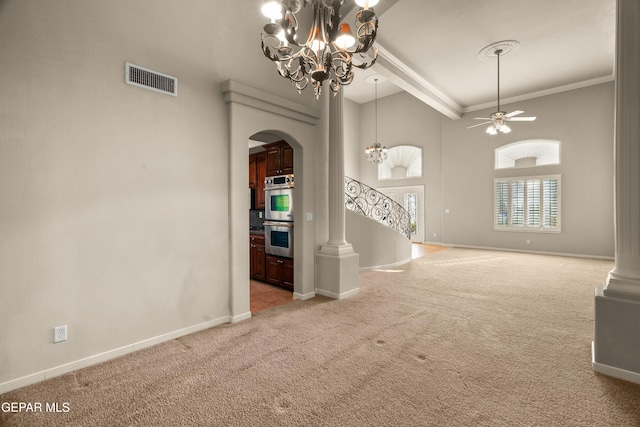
367 201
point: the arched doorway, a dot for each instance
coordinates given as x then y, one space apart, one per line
252 111
272 221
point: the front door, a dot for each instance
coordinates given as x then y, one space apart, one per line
412 199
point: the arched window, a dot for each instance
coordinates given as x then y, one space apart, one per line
527 154
403 161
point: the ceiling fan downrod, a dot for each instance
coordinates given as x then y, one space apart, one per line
498 52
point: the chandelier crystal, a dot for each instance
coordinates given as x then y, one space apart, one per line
331 50
376 153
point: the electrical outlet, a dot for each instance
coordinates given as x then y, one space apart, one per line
528 241
60 333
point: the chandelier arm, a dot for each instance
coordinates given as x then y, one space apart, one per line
369 60
367 30
333 24
365 43
342 66
289 24
267 51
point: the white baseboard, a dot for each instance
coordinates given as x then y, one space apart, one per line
108 355
489 248
338 296
611 371
240 317
303 297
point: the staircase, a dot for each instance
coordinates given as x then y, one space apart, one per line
367 201
378 228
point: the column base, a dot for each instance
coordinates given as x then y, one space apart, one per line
616 345
619 286
337 271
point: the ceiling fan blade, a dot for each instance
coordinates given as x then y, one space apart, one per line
522 119
514 113
481 118
479 124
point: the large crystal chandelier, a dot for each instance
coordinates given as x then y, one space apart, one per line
376 153
330 52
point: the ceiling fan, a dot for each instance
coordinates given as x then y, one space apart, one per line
497 121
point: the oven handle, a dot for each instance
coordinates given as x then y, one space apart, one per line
278 187
278 224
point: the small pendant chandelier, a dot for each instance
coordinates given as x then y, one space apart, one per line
330 52
376 153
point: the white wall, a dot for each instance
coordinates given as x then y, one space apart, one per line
113 198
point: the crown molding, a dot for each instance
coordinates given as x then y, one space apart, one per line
538 94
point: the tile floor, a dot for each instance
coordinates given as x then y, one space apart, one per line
264 295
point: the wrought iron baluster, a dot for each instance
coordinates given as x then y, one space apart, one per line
371 203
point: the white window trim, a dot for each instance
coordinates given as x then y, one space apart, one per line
392 161
526 228
556 144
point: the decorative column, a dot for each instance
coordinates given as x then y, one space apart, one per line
337 265
617 304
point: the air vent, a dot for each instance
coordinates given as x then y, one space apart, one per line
149 79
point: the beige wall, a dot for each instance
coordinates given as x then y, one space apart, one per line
583 121
458 168
114 198
404 120
377 245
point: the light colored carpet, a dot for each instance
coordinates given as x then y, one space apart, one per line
456 338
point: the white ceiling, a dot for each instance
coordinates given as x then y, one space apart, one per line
429 48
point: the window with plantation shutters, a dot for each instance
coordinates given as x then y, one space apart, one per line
517 202
527 203
551 206
502 203
533 203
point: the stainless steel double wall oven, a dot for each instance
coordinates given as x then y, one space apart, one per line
278 224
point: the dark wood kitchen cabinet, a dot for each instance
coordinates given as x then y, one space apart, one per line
257 261
279 159
280 271
257 174
253 171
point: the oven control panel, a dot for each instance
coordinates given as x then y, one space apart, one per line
282 181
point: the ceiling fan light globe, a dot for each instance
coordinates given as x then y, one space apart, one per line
491 130
505 129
